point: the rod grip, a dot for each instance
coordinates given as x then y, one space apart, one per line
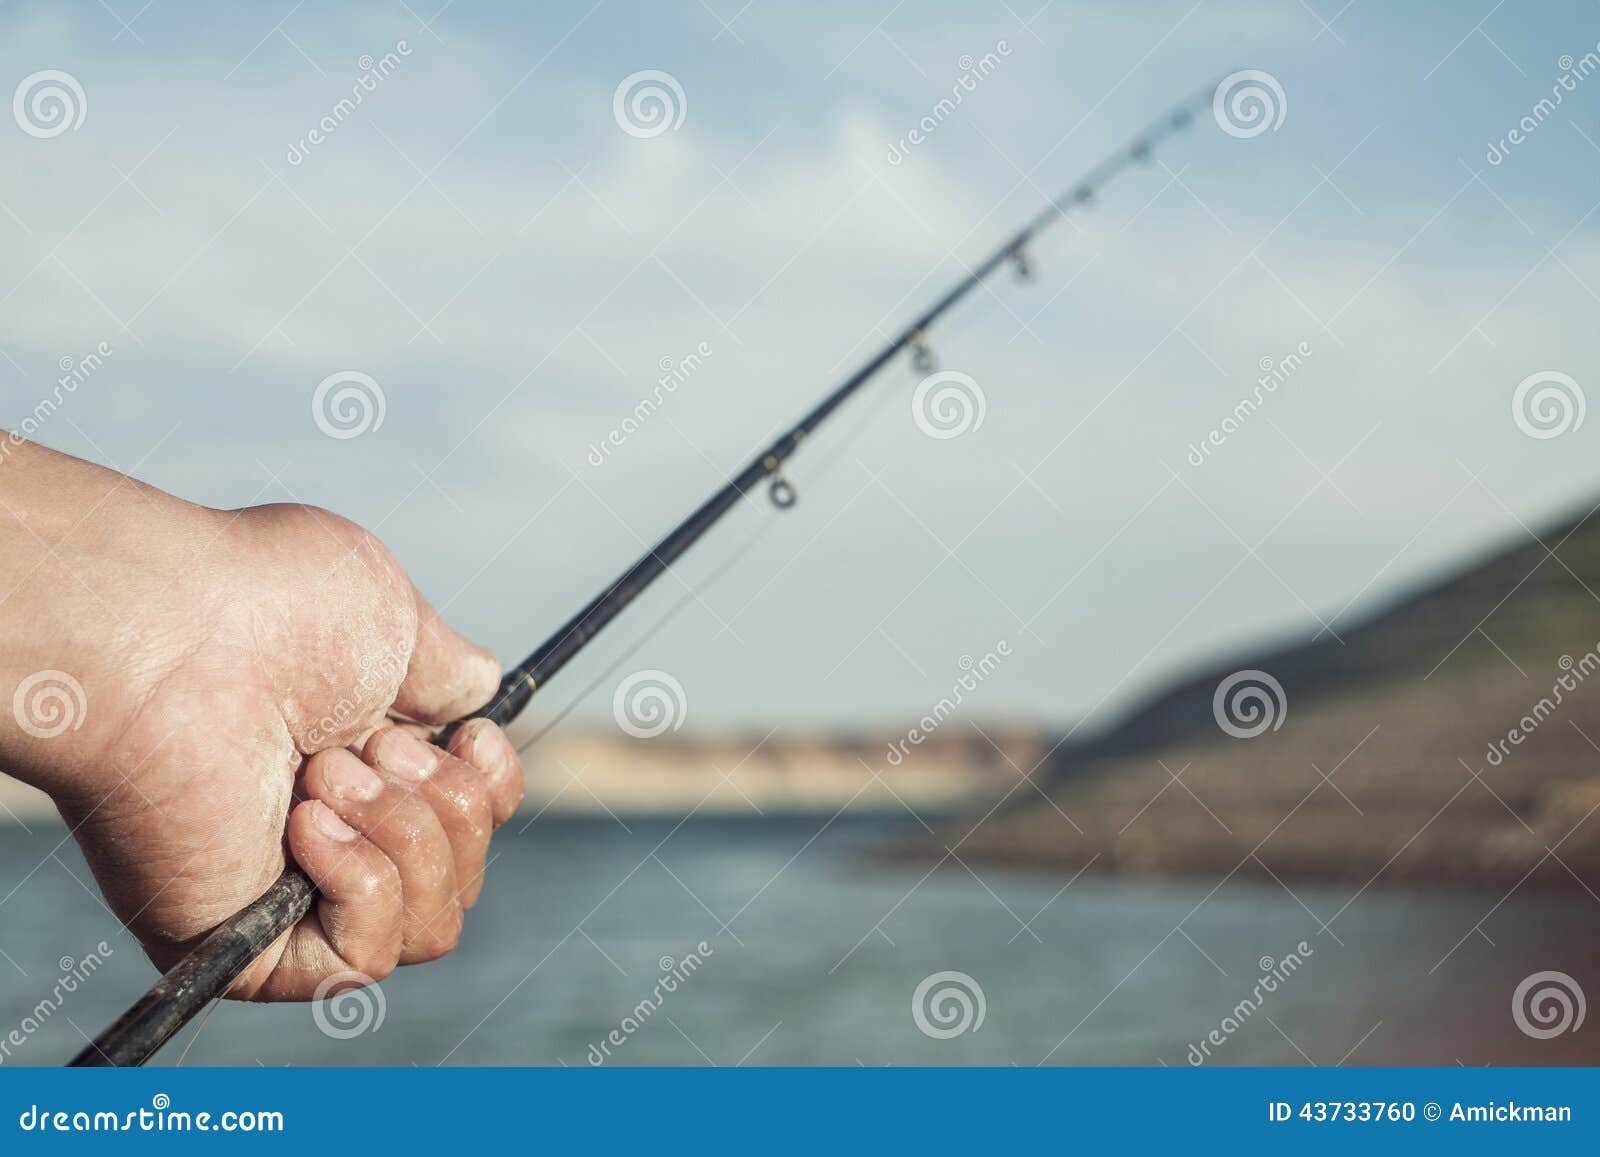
201 976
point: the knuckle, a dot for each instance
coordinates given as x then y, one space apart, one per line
508 791
375 883
470 800
415 833
519 785
440 937
376 963
408 824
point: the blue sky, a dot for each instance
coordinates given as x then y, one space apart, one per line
483 240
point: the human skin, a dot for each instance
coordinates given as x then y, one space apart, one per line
243 675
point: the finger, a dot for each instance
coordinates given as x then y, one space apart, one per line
447 676
485 747
422 731
359 907
459 796
384 806
353 930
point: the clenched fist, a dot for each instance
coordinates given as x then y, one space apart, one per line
203 691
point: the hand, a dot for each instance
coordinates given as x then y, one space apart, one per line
231 664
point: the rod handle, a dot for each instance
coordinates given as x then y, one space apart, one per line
201 976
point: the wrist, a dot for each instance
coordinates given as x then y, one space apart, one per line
43 700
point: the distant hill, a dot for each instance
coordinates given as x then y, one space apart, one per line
754 775
1380 762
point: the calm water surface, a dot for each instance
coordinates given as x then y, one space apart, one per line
816 952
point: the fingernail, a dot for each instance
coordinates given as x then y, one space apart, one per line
331 825
403 754
498 748
477 748
349 778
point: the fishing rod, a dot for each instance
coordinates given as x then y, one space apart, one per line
211 966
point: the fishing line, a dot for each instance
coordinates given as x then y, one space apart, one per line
198 1029
823 468
209 968
689 596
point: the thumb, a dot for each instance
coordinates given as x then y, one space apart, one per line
448 676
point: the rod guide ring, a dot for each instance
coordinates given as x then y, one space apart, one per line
782 492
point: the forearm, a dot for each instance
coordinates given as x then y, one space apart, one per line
60 499
87 567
